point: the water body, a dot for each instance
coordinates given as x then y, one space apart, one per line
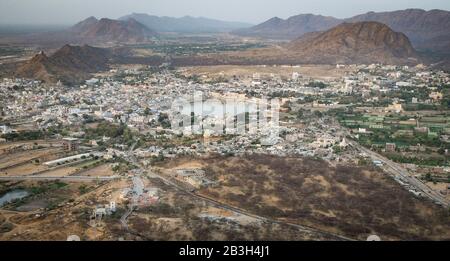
11 196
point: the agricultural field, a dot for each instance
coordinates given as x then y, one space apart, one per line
418 140
187 49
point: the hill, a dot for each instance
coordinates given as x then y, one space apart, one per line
363 42
70 64
92 30
426 29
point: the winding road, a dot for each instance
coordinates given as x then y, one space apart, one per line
138 190
396 170
61 178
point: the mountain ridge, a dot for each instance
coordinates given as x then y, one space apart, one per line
185 24
427 30
290 28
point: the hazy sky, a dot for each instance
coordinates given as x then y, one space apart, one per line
253 11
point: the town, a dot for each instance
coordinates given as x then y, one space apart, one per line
115 131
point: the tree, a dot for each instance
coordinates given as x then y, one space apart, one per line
317 84
163 119
300 114
147 111
318 114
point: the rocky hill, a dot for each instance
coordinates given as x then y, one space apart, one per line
92 30
70 64
427 30
363 42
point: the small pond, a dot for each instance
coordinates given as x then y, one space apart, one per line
12 196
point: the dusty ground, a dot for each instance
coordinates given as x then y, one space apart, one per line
348 200
99 171
32 142
56 210
178 216
30 162
440 186
15 158
26 169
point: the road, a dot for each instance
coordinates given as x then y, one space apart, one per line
61 178
396 170
138 190
224 206
124 218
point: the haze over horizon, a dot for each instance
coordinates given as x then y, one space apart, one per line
68 12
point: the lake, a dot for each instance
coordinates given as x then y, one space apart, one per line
11 196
